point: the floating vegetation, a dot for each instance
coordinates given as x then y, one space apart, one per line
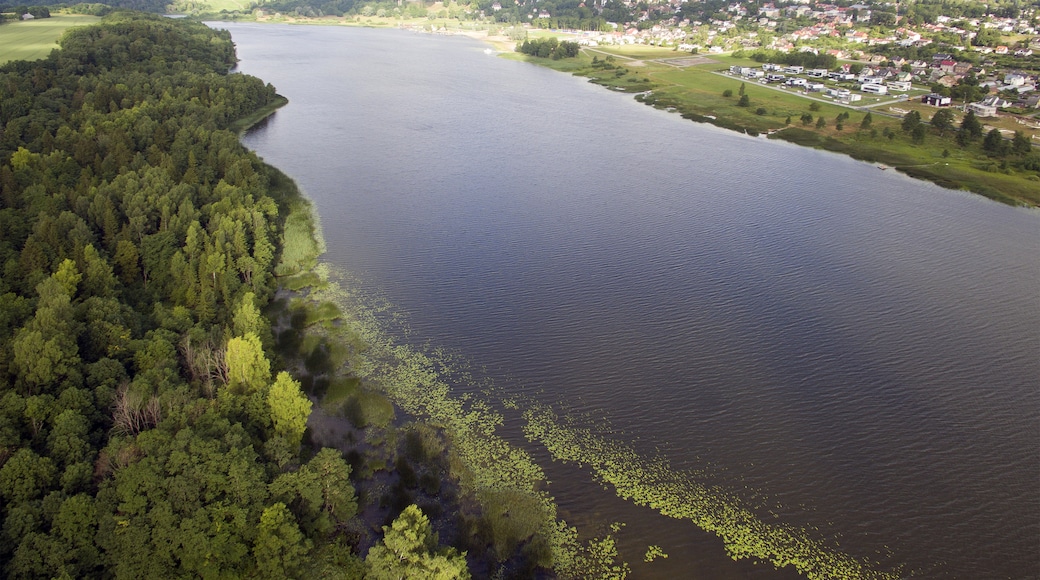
654 552
503 477
653 483
506 479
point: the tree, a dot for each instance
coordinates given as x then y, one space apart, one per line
744 101
320 492
994 143
741 90
911 120
25 476
868 120
289 408
280 547
1021 144
942 120
918 133
247 367
821 123
409 551
971 129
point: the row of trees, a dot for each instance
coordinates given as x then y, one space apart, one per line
805 59
968 132
145 430
549 47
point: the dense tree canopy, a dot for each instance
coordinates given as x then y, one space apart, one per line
137 241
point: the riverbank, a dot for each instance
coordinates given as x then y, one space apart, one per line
693 88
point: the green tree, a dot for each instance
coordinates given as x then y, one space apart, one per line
409 551
247 367
1021 144
971 129
918 133
280 547
821 123
942 120
289 408
45 349
867 121
910 120
25 476
994 143
744 101
320 492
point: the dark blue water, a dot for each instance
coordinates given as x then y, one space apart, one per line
856 350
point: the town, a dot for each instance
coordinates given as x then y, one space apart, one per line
877 49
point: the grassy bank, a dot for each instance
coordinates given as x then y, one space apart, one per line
35 39
257 116
698 89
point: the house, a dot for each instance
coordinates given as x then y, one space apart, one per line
996 101
936 100
982 110
901 86
1015 79
874 89
28 17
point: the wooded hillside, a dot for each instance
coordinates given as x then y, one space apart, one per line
143 433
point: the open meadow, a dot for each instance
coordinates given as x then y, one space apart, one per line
35 39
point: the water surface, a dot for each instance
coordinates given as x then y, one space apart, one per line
849 349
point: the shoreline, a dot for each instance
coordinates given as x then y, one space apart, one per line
965 170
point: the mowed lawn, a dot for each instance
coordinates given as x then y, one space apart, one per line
35 39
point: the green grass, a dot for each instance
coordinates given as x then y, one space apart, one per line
35 39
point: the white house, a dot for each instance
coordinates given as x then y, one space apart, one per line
874 89
982 110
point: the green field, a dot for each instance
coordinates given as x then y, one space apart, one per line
35 39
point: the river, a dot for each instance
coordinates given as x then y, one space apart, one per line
848 349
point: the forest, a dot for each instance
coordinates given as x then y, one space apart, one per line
147 427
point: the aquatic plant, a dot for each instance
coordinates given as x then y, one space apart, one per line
653 483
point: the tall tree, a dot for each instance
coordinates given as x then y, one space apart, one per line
408 551
289 408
